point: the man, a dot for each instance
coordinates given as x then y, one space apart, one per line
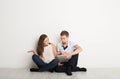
70 51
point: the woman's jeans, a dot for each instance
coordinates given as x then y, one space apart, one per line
42 65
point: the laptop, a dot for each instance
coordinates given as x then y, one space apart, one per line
61 58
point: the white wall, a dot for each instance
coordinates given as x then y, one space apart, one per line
94 24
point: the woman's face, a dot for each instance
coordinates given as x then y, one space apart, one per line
46 41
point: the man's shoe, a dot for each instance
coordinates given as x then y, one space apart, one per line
51 70
68 73
68 69
81 69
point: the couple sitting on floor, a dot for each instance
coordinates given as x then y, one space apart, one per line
64 58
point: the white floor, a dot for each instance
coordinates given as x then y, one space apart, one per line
90 74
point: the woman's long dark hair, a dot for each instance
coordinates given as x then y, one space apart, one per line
40 46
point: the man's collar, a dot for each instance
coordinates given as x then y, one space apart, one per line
67 43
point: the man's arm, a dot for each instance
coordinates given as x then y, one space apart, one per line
54 50
78 49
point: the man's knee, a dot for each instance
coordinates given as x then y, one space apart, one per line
74 60
74 57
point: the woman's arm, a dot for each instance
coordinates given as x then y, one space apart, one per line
33 51
54 50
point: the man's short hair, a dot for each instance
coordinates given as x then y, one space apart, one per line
64 32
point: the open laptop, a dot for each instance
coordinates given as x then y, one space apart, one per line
61 58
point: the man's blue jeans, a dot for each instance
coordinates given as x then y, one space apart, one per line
73 62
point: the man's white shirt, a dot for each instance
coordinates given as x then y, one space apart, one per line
69 49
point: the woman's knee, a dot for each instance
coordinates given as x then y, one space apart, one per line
56 60
34 57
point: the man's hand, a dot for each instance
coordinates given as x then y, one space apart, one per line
59 64
67 55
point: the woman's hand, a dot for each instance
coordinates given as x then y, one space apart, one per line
33 51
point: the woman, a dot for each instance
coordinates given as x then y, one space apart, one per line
45 54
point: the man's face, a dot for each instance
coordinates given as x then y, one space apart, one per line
64 39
